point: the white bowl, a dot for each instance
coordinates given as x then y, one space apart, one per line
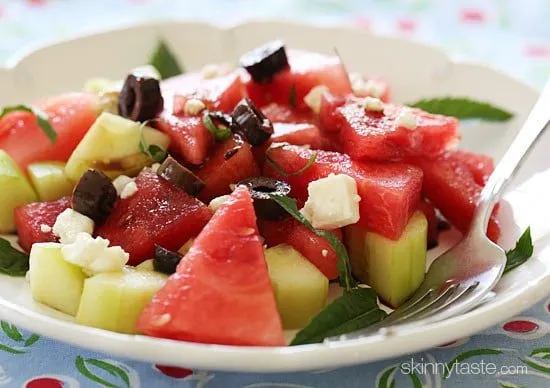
415 71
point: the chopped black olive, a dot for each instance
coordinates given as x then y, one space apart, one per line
94 195
251 123
140 98
260 188
165 261
180 176
265 61
229 154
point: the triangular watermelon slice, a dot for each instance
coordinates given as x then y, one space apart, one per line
221 292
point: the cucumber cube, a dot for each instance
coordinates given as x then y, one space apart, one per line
50 181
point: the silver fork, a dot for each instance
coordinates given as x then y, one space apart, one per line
460 278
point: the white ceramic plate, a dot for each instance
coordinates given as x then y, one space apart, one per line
414 71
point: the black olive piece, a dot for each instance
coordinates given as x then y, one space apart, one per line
260 188
165 261
94 195
264 62
251 122
432 243
140 98
221 118
229 154
180 176
442 224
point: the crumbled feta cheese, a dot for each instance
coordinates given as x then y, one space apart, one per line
324 252
45 228
373 104
406 118
217 202
69 224
155 167
332 202
193 107
94 254
363 88
313 98
129 190
121 182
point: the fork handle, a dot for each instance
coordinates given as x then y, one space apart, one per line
537 122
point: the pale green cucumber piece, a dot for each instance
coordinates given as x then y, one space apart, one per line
112 145
50 181
15 190
394 269
114 301
55 282
300 289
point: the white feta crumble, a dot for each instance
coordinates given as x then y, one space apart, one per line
129 190
373 104
155 167
45 228
369 87
406 119
193 107
332 202
146 71
217 202
313 98
121 182
324 252
69 224
94 254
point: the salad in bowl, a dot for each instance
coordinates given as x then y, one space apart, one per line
229 205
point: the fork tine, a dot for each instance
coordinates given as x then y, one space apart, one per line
439 298
460 292
419 296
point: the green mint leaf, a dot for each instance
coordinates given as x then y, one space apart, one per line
292 96
11 331
354 310
154 151
165 61
343 65
12 261
344 264
521 252
41 118
220 132
463 108
282 172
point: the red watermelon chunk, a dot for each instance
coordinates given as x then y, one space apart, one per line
481 166
390 193
71 115
328 120
306 71
219 171
30 218
189 138
298 134
375 136
221 292
279 113
158 213
451 187
291 232
220 93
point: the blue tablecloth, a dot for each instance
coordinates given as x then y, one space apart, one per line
510 35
